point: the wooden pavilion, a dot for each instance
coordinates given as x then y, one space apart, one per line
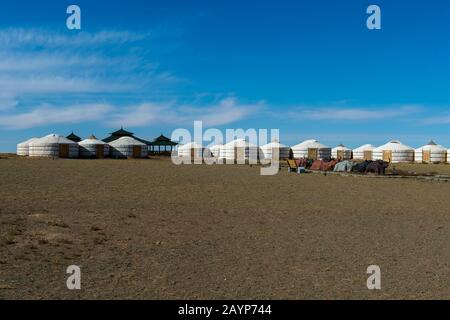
123 133
162 145
73 137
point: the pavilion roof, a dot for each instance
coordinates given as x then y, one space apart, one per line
162 141
73 137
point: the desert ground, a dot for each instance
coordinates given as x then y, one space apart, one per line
148 229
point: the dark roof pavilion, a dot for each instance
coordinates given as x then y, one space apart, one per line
123 133
73 137
160 144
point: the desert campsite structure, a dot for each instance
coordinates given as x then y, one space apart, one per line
162 145
123 133
341 152
276 150
128 147
93 148
73 137
23 148
193 150
431 153
394 152
364 152
215 150
239 151
311 149
53 145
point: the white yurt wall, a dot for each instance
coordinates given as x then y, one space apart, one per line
193 150
125 147
311 149
341 152
431 153
364 152
23 148
240 150
271 149
215 150
53 145
93 148
395 152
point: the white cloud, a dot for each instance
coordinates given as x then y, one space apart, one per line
437 120
340 113
21 37
7 101
58 84
37 62
225 111
50 115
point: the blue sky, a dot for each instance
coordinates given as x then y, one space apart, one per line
309 68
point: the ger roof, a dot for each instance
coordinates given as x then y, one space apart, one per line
240 143
311 143
126 141
432 146
51 139
394 145
274 144
341 147
92 140
365 147
27 142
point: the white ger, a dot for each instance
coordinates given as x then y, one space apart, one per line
431 153
311 149
193 150
23 148
240 151
395 152
275 149
341 152
93 148
364 152
53 145
128 147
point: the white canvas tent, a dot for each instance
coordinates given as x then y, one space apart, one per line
93 148
215 150
53 145
364 152
128 147
311 149
431 153
240 151
193 150
23 148
341 152
276 150
395 152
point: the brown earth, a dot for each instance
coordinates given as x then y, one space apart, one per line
150 229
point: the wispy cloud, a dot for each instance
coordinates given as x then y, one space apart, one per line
343 113
443 119
226 111
49 67
50 115
20 37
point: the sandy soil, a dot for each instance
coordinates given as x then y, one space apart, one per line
149 229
